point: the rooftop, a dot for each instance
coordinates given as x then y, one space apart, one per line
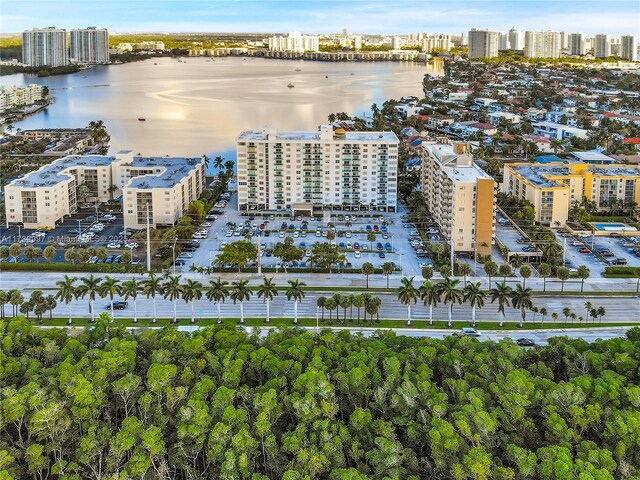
593 156
252 135
174 169
536 175
55 172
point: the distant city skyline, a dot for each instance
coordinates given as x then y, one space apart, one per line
614 17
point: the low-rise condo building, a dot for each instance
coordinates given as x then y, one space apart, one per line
460 196
323 169
553 187
163 187
13 96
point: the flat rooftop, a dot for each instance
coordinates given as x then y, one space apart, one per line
54 173
174 170
263 135
536 174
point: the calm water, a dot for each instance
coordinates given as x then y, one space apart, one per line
201 105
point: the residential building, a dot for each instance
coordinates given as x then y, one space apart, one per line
629 48
602 46
459 195
553 187
45 47
483 43
503 41
163 187
89 45
516 39
147 46
307 170
396 43
577 44
294 42
13 96
564 41
357 42
440 42
542 44
558 131
494 117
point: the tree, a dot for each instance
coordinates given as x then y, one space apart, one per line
501 293
90 286
407 295
543 314
359 302
326 255
563 275
15 300
49 253
66 292
427 273
544 270
110 287
240 292
525 272
331 305
321 303
491 269
288 252
474 294
505 271
4 299
101 253
583 273
368 269
191 291
237 253
267 291
601 312
430 295
521 299
451 295
371 237
71 255
152 287
49 303
217 292
295 291
172 290
464 269
15 249
387 269
130 289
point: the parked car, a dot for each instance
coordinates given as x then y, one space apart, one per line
585 250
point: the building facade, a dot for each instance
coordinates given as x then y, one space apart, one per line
13 96
601 46
45 47
516 39
542 44
629 48
460 196
483 43
89 45
161 186
341 170
553 187
294 42
440 42
577 44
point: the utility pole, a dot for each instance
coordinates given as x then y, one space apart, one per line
149 241
173 252
259 253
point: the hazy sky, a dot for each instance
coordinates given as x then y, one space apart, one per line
615 17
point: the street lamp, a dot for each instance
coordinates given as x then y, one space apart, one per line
392 238
317 319
173 252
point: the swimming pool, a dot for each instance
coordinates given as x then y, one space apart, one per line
611 226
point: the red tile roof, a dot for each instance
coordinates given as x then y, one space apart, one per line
632 141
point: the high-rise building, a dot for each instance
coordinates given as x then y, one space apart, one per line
503 41
541 44
356 41
396 43
295 42
564 41
483 43
601 46
89 45
440 42
516 39
307 170
577 44
629 50
45 46
460 196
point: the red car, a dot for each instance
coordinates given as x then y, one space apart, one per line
356 246
585 250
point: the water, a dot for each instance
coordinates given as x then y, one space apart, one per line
201 105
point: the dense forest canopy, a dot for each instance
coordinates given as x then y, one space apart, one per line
104 403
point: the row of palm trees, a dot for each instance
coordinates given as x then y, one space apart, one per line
171 288
366 301
449 292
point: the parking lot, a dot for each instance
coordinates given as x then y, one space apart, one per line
80 230
351 238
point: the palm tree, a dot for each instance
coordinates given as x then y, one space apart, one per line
130 289
110 287
191 291
567 313
172 290
544 270
588 306
430 295
521 299
474 294
368 269
501 293
554 316
66 292
407 295
295 291
218 163
90 287
330 304
321 303
543 314
387 269
583 273
464 269
451 294
267 291
358 301
345 302
217 292
152 287
525 272
15 300
563 275
240 291
491 269
4 299
601 313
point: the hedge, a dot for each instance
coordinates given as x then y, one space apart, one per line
69 267
620 271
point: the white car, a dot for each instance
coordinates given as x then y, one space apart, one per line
318 233
348 234
296 234
425 265
281 234
113 245
186 255
229 233
357 254
206 224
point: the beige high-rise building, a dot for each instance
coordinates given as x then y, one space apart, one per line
327 168
483 43
577 44
163 186
601 46
542 44
460 196
89 45
516 39
629 48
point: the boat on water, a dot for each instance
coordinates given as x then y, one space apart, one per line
291 85
142 119
326 76
155 63
298 69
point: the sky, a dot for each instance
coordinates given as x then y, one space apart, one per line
615 17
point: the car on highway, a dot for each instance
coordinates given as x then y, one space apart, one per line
469 332
525 342
117 305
